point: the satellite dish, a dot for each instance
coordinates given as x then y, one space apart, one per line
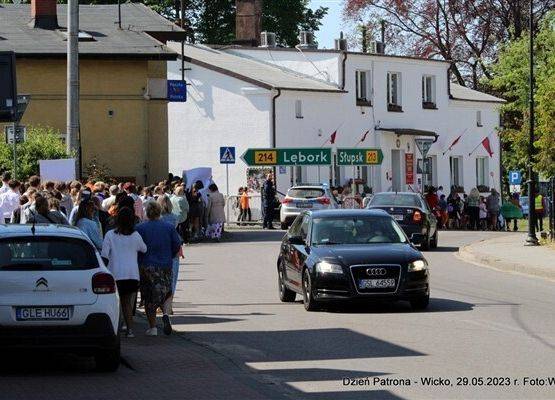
16 1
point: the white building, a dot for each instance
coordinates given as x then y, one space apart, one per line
276 97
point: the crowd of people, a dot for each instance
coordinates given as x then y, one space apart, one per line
474 211
139 231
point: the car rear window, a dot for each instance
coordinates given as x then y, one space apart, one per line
305 193
395 199
37 253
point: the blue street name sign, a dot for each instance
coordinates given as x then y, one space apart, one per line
227 155
177 90
515 178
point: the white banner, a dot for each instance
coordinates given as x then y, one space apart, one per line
57 170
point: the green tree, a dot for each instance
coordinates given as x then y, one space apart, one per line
287 17
216 20
511 79
41 143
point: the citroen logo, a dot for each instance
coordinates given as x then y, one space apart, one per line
41 282
376 271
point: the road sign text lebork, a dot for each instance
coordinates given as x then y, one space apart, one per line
287 156
361 156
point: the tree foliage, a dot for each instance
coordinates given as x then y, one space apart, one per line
467 32
41 143
213 21
511 78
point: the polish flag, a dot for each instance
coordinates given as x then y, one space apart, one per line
455 142
364 136
487 146
332 137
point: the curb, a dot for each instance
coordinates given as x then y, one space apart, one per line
484 260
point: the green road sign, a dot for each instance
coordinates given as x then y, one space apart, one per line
286 156
357 156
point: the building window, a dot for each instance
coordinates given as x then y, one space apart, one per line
364 89
482 172
429 92
479 118
394 91
298 108
455 165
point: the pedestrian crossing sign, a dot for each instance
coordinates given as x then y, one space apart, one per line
227 155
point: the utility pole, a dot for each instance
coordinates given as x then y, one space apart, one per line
531 240
72 138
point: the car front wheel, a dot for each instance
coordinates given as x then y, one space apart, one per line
286 295
308 299
107 360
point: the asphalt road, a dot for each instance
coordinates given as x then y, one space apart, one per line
237 341
481 323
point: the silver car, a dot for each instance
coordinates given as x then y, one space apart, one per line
305 197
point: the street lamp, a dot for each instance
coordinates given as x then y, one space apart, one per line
531 239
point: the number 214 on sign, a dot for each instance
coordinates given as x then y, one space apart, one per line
265 157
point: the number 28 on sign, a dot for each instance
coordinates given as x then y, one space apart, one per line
265 157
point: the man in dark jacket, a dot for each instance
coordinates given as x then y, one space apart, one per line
268 199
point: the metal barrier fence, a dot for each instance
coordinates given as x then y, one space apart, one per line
351 202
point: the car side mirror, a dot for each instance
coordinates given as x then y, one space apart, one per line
296 240
417 238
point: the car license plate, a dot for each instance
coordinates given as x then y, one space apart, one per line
42 313
376 283
398 217
304 205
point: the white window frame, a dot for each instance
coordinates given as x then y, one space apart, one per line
482 171
398 89
299 109
479 118
363 86
456 171
429 97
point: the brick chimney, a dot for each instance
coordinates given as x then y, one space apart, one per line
43 14
248 22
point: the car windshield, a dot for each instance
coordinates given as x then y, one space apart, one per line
356 230
46 253
305 193
395 199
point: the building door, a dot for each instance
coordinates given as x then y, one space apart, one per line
396 181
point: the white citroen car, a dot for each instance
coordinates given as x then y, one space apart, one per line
56 294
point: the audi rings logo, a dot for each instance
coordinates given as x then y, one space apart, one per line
376 271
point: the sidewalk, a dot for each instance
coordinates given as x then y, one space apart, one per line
508 253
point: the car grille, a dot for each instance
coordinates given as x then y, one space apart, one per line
359 272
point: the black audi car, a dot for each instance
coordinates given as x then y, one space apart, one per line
412 213
338 255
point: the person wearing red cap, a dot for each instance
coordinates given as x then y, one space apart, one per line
131 190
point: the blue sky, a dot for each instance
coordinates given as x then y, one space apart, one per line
331 24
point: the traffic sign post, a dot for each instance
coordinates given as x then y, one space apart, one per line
287 156
356 156
15 135
424 146
227 156
515 178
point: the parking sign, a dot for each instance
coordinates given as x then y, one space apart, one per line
515 178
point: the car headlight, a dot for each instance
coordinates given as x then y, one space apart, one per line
418 265
327 268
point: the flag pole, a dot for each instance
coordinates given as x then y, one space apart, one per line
478 145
